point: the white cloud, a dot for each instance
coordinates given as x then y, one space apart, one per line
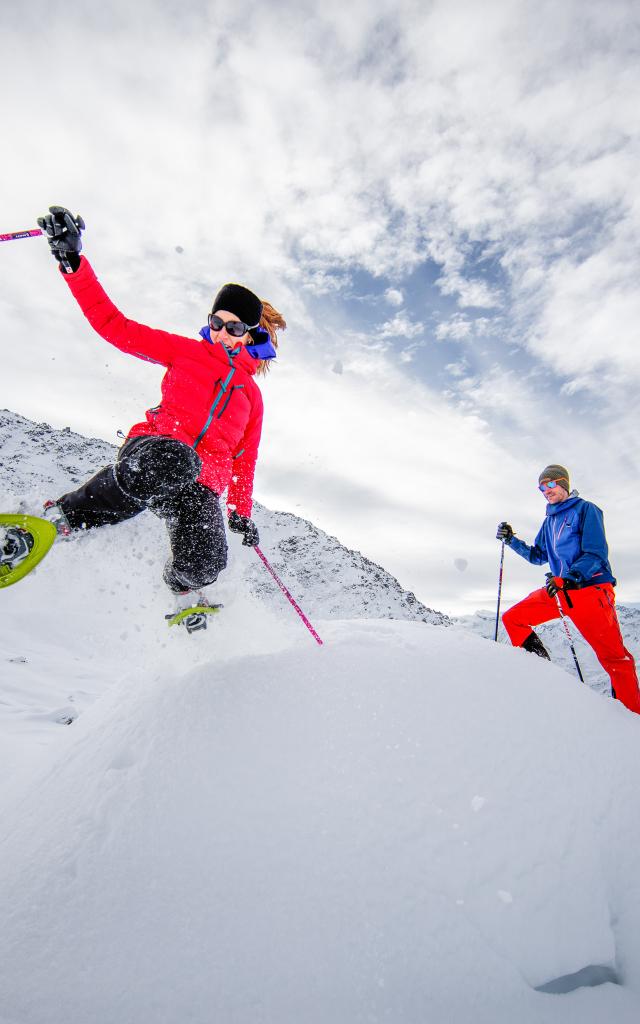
401 327
458 369
469 292
590 319
456 329
394 296
498 139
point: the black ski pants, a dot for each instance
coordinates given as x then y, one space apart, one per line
160 474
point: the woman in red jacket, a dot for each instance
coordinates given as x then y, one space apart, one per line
203 437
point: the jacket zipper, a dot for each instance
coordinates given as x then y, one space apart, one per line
222 391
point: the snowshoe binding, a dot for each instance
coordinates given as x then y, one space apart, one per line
16 545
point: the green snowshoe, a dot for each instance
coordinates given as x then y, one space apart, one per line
24 541
193 618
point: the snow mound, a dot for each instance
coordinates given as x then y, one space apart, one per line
404 825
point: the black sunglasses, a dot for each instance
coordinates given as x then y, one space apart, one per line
236 328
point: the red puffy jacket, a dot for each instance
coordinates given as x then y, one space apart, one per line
210 399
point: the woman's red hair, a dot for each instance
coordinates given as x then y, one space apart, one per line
272 321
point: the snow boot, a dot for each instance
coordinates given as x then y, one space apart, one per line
534 645
55 514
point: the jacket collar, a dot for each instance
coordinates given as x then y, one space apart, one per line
236 358
239 358
562 506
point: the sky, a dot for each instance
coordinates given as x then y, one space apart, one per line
440 197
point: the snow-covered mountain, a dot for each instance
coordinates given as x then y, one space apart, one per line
407 824
38 462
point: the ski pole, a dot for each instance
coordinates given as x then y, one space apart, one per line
549 576
287 594
14 235
495 636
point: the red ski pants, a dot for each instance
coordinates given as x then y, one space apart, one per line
594 615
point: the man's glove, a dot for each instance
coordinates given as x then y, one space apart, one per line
505 533
63 235
556 583
242 524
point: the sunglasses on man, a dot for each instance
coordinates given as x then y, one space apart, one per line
546 485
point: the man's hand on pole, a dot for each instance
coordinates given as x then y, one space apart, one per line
555 584
504 533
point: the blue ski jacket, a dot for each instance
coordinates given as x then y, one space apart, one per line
572 540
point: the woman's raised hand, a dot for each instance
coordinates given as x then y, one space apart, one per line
63 233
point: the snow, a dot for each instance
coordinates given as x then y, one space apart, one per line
337 583
555 640
407 824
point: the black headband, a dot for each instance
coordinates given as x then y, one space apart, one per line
240 301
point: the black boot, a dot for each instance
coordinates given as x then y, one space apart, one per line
534 645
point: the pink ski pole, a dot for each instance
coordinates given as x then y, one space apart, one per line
287 594
13 235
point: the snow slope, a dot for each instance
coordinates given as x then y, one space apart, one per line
409 824
38 462
554 637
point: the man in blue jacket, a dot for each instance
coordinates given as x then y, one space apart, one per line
572 540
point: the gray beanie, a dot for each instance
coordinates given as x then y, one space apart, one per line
557 473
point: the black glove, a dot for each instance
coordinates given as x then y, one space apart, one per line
505 533
63 235
552 586
242 524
